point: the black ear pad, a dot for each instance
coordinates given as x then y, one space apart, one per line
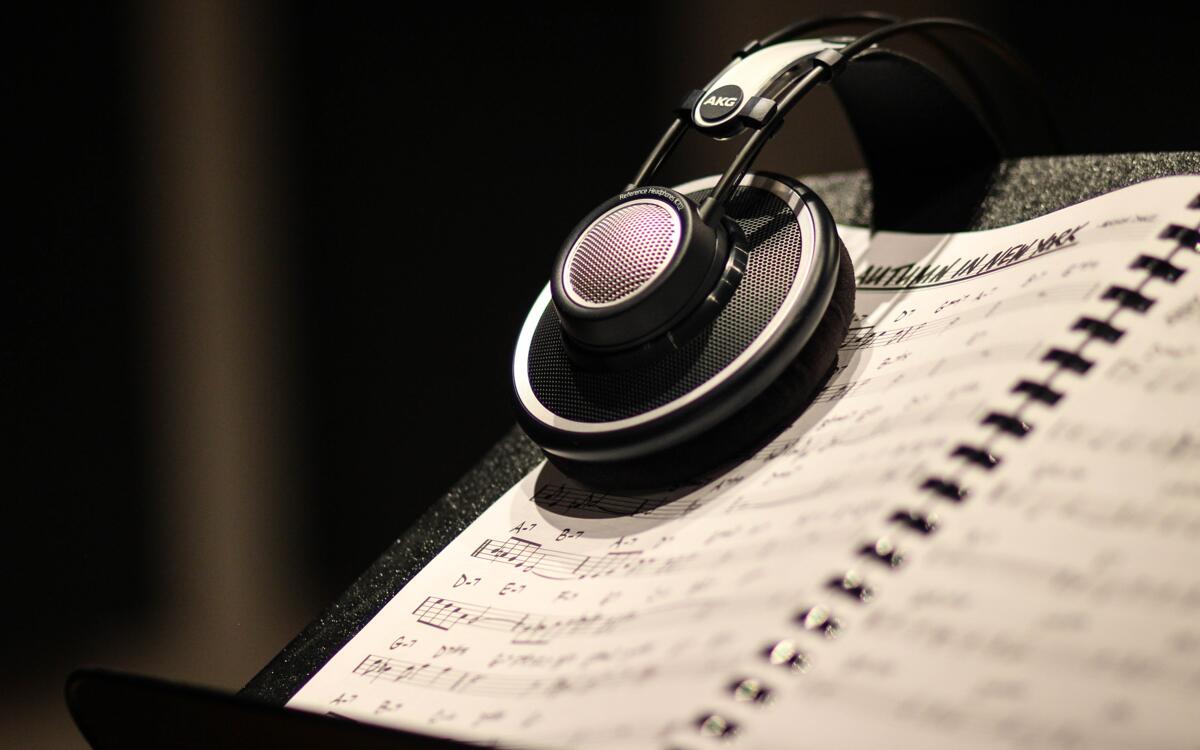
771 411
709 399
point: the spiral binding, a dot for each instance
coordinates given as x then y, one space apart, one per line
785 654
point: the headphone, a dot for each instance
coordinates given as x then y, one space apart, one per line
684 326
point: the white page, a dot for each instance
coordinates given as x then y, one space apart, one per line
1057 606
558 619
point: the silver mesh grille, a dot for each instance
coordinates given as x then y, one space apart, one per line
775 246
621 252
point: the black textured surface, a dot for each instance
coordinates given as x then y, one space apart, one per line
774 248
1021 189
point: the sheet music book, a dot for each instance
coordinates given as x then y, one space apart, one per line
985 532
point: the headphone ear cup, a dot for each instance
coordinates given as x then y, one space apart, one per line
773 410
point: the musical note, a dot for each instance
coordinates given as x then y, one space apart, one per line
1168 378
562 565
375 668
444 614
1179 444
870 336
528 627
521 553
533 558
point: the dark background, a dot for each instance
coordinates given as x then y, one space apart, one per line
270 262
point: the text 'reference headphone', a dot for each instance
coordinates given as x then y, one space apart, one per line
683 326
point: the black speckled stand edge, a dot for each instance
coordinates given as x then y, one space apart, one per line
1021 189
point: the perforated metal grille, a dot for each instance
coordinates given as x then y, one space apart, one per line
621 252
774 244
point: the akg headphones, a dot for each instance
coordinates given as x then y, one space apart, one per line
682 326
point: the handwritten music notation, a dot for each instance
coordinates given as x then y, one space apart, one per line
1106 511
1181 444
888 376
988 641
1169 378
536 559
532 628
861 426
576 501
489 684
872 336
531 557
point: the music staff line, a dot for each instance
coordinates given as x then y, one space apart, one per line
532 628
488 684
847 484
871 336
1011 648
425 675
864 431
534 558
571 499
885 377
1176 379
575 501
539 560
866 425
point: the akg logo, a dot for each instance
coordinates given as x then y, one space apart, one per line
719 103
